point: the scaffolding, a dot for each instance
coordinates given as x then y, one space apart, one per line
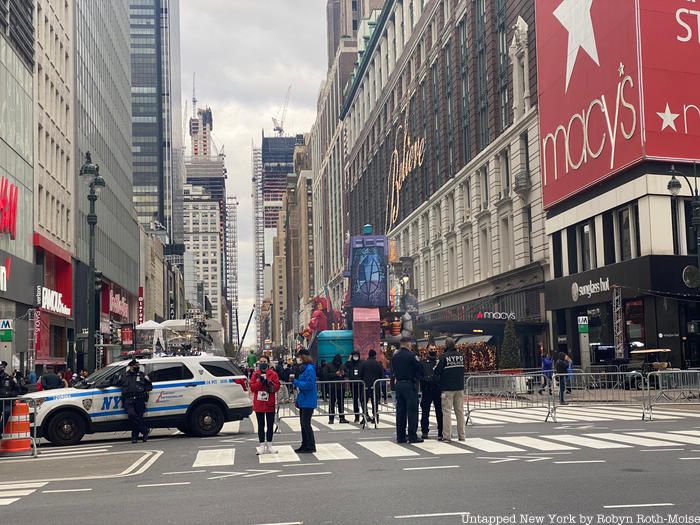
258 240
618 323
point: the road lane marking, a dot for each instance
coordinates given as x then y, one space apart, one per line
537 444
632 440
16 486
332 451
16 493
60 491
579 462
299 474
489 446
215 458
633 505
387 449
697 457
432 467
8 501
670 437
163 484
418 459
585 442
435 515
664 450
233 427
285 454
303 464
284 523
183 472
440 448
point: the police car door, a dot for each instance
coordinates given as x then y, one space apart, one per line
174 389
106 405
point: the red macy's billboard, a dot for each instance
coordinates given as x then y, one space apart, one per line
617 84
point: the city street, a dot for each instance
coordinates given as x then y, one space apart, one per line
605 462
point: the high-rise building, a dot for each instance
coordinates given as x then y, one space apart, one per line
343 18
156 114
232 266
201 126
202 239
258 239
54 170
102 116
18 276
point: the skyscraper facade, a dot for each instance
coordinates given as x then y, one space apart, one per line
232 265
156 114
102 110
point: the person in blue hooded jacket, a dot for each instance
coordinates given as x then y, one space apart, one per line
306 401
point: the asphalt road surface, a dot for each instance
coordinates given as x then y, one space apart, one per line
597 466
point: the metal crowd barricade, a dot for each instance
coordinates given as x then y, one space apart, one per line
508 391
606 376
672 387
585 388
327 391
381 392
18 426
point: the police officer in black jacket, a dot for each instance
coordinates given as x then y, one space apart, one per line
450 376
352 371
371 370
135 388
430 393
406 371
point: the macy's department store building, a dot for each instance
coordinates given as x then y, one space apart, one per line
616 111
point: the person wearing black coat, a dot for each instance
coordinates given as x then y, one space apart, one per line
335 371
370 371
450 375
352 372
430 394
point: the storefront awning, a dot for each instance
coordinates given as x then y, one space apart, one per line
467 339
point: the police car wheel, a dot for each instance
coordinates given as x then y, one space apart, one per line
206 420
66 428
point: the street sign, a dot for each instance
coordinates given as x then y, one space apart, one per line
582 324
6 330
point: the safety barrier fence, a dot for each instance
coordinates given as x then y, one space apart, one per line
17 426
671 387
585 388
508 391
336 399
383 401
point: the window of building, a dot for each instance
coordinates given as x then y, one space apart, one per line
585 238
690 234
557 256
504 168
436 124
634 322
506 239
481 73
502 37
464 84
527 223
485 253
439 272
484 186
450 111
467 259
427 279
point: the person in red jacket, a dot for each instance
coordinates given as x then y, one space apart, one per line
264 385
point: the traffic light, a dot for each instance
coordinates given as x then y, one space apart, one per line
98 282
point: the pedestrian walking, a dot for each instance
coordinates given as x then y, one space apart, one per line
335 372
251 359
406 371
562 369
135 387
352 371
51 381
547 367
371 371
264 385
430 394
450 376
8 389
306 400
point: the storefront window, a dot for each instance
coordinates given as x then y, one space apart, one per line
634 323
625 234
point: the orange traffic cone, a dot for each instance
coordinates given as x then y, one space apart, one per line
16 436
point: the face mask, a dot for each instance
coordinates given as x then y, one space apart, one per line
263 367
135 369
299 361
432 354
355 358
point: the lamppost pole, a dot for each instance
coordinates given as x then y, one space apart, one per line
91 174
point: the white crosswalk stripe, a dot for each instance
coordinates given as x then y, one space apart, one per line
440 448
285 454
586 442
690 440
632 440
332 452
12 492
536 443
487 445
387 449
215 457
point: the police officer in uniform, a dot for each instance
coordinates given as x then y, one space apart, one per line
406 370
135 388
8 389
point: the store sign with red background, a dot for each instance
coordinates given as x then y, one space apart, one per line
617 83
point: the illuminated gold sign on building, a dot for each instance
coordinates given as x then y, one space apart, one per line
403 163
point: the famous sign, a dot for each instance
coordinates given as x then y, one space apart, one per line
616 86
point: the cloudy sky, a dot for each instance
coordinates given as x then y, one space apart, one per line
245 54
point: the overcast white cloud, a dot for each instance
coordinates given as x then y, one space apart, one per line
245 54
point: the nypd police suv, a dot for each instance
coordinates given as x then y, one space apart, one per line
193 394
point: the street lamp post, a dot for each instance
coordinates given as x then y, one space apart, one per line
91 175
674 187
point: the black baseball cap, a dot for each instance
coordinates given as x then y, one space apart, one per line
303 351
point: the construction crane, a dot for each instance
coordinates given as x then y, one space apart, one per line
279 121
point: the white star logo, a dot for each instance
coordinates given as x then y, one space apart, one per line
575 16
668 118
